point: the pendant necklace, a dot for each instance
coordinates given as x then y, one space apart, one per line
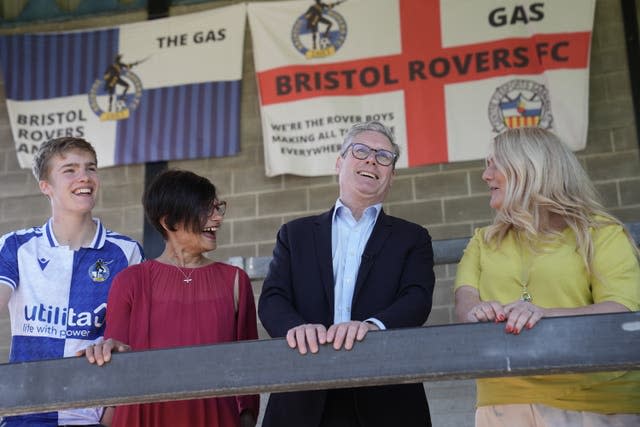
187 278
524 277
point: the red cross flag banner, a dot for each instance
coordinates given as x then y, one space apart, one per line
165 89
445 75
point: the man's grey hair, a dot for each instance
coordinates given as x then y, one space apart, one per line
373 126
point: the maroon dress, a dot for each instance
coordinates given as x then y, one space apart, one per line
151 306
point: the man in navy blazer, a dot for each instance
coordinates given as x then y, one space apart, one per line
338 275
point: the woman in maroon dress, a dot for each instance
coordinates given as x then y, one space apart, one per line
182 298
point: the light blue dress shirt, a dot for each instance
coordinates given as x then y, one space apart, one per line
348 240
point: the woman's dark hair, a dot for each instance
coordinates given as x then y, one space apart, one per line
178 197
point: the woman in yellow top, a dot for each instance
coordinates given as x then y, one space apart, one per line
552 250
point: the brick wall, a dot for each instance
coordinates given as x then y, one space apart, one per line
449 199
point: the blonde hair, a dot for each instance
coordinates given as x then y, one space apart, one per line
544 177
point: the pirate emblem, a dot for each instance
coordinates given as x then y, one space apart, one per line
520 103
99 271
115 83
320 31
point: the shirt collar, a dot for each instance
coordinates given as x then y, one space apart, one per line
373 210
97 242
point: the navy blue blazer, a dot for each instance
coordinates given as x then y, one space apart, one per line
395 285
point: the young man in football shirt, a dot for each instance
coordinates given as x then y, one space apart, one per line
55 278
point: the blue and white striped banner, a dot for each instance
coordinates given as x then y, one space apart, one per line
166 89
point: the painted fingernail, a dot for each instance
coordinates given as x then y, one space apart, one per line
509 329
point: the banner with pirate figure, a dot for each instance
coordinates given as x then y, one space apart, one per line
446 75
165 89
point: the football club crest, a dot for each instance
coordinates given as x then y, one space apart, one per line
320 31
99 271
520 103
118 92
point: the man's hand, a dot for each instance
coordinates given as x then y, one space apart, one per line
348 333
311 336
100 353
308 335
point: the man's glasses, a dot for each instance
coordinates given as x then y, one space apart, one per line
362 151
219 207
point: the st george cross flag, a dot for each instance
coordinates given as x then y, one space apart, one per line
156 90
445 75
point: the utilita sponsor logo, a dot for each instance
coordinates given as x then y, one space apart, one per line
65 316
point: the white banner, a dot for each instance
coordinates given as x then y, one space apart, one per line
447 76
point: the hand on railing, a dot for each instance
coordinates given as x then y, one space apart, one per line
100 353
311 336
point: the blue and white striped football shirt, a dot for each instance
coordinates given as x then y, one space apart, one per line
59 297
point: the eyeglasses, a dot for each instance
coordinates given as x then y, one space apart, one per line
362 151
219 207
